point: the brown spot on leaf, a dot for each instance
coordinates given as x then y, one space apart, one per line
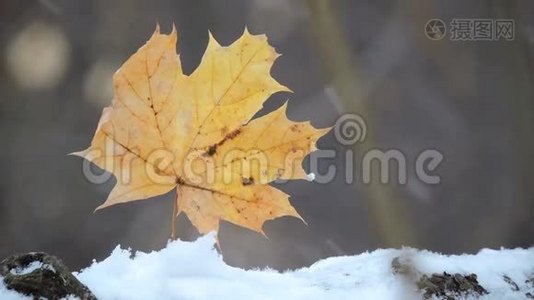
247 181
180 181
231 135
211 150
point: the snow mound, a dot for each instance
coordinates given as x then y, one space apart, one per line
194 270
6 294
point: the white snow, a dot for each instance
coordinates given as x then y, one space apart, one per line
34 265
194 270
6 294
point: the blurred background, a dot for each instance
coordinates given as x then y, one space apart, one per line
472 101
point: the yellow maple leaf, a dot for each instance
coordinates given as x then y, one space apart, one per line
165 129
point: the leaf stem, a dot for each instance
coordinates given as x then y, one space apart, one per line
173 222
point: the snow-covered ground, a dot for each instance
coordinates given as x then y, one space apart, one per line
194 270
